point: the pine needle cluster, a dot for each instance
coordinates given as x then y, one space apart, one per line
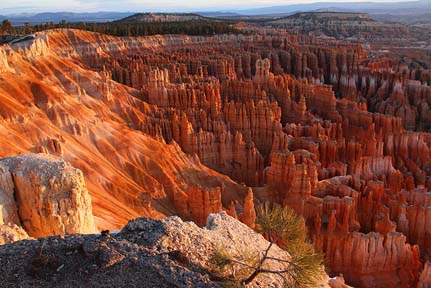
281 226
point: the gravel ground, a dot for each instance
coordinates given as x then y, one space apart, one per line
93 261
146 253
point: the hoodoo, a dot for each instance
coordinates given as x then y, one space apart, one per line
44 196
332 124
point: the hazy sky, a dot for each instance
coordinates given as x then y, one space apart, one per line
31 6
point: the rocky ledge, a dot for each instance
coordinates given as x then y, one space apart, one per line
146 252
41 196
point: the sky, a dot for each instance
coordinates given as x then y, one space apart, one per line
35 6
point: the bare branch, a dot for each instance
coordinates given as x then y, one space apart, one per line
281 223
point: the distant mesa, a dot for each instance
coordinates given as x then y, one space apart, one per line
56 17
340 25
162 17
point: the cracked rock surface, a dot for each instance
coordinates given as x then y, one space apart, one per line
44 196
146 253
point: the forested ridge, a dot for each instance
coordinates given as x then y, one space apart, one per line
119 28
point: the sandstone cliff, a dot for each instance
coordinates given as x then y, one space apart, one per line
195 125
45 196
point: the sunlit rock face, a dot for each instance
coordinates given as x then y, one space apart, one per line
44 196
179 125
11 233
58 105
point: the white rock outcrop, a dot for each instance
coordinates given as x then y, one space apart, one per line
199 244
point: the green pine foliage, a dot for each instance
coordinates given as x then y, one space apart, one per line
118 28
288 230
281 226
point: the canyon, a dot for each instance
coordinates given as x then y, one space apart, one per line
108 129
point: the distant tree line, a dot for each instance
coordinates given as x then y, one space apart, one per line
118 28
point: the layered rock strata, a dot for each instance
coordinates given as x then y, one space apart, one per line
194 125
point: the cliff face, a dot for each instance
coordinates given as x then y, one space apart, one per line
196 125
91 121
340 25
44 196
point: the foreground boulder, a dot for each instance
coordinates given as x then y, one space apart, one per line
146 253
44 195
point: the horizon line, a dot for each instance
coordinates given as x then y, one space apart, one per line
39 10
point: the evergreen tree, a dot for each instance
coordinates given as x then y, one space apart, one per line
6 27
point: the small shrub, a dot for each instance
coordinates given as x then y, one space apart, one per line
282 226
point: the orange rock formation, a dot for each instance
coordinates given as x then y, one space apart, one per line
194 125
